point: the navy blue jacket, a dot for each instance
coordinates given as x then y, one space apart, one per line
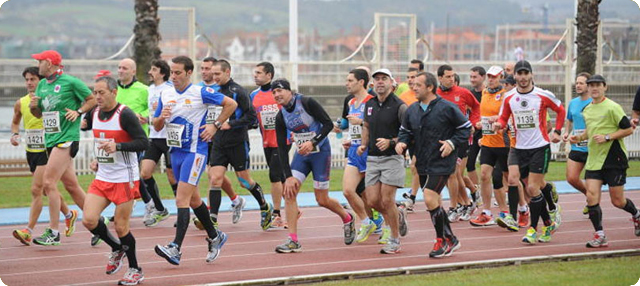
243 117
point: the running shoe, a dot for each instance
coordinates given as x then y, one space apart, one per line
289 246
555 215
349 230
585 210
384 237
465 213
70 223
440 248
170 252
133 276
379 221
402 217
454 214
408 202
95 239
547 231
215 245
266 217
200 226
454 244
392 246
483 220
598 241
23 236
115 261
366 229
277 221
156 217
148 212
478 201
523 218
554 192
636 223
506 220
237 210
47 238
531 236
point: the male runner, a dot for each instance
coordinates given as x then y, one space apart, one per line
477 77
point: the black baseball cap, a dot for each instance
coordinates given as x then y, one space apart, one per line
522 65
509 79
281 83
596 78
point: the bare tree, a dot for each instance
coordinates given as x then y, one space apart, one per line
147 36
587 21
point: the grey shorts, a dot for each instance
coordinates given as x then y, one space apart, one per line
388 170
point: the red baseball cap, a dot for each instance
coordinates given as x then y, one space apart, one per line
54 57
102 73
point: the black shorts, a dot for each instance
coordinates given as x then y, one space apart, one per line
36 159
533 160
577 156
237 156
157 148
474 149
73 151
463 150
276 174
433 182
611 177
494 157
513 158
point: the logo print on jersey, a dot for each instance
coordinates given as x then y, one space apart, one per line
524 103
498 96
369 110
57 88
210 90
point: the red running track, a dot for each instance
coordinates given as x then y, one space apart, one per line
249 252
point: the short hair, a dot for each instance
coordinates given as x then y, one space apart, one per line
480 70
184 60
430 80
420 64
443 68
164 68
31 70
210 59
584 74
223 64
361 74
413 69
268 68
456 78
111 82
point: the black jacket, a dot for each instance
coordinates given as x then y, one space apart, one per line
243 117
383 121
441 121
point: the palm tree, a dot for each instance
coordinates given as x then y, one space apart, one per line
587 21
145 43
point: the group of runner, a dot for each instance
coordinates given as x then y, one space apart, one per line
206 126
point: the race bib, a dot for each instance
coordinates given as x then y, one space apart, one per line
268 118
526 119
174 135
35 139
578 132
213 112
51 121
101 155
355 132
487 129
304 137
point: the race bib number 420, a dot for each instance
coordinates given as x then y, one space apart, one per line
174 135
51 121
305 137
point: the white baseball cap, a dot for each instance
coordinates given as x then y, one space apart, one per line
494 71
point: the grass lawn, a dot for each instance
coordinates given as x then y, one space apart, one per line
15 192
606 271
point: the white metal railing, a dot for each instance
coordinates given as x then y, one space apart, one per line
85 154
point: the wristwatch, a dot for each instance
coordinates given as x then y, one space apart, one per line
79 111
557 131
607 138
217 124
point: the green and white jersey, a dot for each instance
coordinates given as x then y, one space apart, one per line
55 97
604 118
135 96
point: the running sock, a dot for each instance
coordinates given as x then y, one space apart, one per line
257 193
144 193
514 198
102 231
413 198
67 215
202 214
183 223
546 192
438 217
448 233
129 247
595 215
215 199
276 212
536 206
487 212
293 236
174 188
30 230
152 188
474 196
630 208
523 208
